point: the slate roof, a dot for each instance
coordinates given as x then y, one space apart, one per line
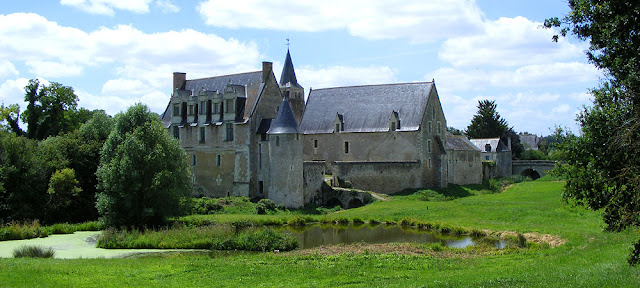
285 122
251 80
460 143
366 108
288 73
496 144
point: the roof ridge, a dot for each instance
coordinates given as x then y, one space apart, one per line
227 75
373 85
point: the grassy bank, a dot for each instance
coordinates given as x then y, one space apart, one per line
33 229
589 258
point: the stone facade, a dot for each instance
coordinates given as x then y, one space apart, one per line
250 135
465 161
493 149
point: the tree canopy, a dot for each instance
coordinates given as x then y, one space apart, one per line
487 122
143 173
603 164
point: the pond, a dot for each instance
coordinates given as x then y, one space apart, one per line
319 235
77 245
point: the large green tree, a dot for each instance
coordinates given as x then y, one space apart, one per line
487 123
603 164
143 173
51 110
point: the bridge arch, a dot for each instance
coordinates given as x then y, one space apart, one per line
531 173
333 202
355 203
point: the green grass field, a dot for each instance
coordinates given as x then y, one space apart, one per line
589 258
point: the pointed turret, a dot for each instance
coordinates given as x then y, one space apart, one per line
285 122
288 77
291 89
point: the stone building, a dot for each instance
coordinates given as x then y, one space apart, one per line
382 138
493 149
250 135
223 123
465 161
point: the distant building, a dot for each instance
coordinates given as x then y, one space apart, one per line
493 149
530 141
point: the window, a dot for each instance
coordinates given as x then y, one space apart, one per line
346 147
487 148
433 113
229 132
216 108
190 110
429 163
218 160
439 130
261 187
176 132
486 158
193 160
260 155
229 105
202 138
277 141
315 143
337 127
429 127
203 107
176 109
393 126
429 146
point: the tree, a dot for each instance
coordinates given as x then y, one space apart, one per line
11 114
487 123
603 164
454 131
143 174
52 110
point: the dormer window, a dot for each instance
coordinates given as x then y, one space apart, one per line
394 121
229 106
176 109
339 123
487 147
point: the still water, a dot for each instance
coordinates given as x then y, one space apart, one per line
319 235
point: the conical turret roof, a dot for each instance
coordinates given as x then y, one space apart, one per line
285 122
288 73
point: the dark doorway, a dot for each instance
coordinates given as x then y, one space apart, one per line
533 174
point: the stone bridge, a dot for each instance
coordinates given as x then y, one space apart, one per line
532 168
345 197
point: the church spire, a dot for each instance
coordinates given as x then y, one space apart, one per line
288 73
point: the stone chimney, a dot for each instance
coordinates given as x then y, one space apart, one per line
178 80
266 70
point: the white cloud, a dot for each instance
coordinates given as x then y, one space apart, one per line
12 91
417 20
336 76
124 87
131 54
106 7
543 75
7 69
167 6
564 108
509 42
53 69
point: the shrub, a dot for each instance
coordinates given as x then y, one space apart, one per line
357 220
260 240
374 222
33 252
22 230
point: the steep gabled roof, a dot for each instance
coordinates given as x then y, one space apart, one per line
288 73
496 144
285 122
366 108
460 143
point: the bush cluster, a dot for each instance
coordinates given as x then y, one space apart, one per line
33 252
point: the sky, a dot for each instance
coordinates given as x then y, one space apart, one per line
115 53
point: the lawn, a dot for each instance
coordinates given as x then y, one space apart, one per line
589 258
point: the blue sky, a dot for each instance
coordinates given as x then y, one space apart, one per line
118 52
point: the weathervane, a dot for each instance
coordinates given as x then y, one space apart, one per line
288 43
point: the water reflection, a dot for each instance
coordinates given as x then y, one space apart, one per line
321 235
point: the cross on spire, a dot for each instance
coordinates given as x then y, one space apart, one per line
288 43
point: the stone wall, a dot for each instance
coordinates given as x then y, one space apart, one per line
465 167
313 175
382 177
